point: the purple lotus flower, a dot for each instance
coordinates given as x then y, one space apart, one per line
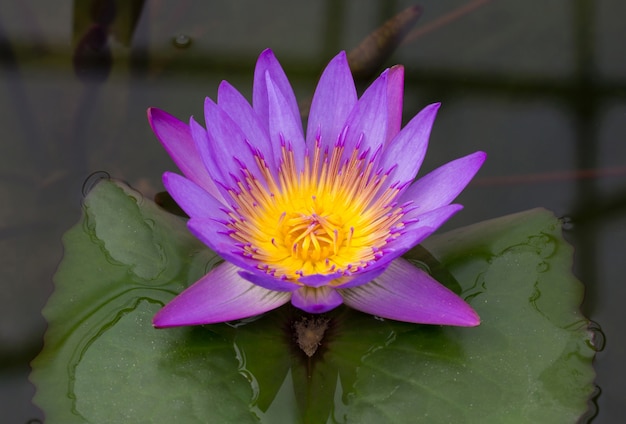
319 219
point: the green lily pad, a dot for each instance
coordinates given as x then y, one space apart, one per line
529 361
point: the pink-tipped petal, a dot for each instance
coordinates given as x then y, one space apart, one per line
316 300
193 199
407 150
406 293
175 136
268 64
334 99
395 97
221 295
444 184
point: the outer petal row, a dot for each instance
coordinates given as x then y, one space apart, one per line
444 184
418 229
213 233
175 136
193 199
403 293
221 295
406 293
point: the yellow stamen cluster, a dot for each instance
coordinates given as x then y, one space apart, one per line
331 217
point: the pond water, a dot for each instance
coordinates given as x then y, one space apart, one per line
540 87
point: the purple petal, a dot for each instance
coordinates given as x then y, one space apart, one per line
268 64
215 234
192 198
175 136
407 150
339 279
284 126
367 122
269 282
417 228
318 280
395 95
221 295
316 300
240 111
444 184
406 293
201 139
228 149
203 144
334 99
365 277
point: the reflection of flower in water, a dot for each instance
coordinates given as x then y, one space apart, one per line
319 219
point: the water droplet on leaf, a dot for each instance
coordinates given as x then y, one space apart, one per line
567 223
597 339
181 41
543 267
94 179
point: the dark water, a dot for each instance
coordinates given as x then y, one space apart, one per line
540 87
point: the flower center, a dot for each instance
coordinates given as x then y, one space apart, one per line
312 237
332 217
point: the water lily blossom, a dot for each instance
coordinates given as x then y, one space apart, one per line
318 218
